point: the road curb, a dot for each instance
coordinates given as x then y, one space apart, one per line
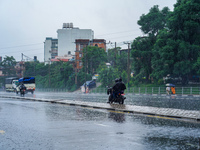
145 110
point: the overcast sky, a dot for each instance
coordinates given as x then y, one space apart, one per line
24 24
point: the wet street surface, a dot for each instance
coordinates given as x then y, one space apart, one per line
186 103
39 125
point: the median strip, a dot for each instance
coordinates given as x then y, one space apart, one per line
146 110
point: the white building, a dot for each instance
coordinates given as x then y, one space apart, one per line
50 49
67 36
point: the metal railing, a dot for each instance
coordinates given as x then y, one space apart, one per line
133 90
154 90
51 90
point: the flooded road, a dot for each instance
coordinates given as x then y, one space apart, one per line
38 125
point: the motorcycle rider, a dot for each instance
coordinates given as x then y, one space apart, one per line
116 87
22 87
122 85
112 92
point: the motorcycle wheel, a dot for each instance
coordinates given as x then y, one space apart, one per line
121 101
110 99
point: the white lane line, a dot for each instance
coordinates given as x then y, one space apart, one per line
103 125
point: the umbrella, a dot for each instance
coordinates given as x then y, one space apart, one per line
169 84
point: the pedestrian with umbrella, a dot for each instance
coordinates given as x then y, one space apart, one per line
172 88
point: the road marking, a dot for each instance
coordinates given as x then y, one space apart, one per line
2 132
102 125
161 117
120 112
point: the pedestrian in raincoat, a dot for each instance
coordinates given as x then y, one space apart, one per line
173 90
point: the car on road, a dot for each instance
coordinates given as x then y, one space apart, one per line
90 84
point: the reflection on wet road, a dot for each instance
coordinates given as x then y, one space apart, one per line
46 126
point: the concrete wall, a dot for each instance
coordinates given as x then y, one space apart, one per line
67 37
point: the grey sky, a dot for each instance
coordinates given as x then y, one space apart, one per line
24 24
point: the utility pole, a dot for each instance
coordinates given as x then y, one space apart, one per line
128 63
22 57
49 75
75 75
76 67
85 66
115 53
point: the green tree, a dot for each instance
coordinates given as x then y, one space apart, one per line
154 21
197 66
81 77
121 62
107 76
112 55
151 24
55 75
142 54
8 66
178 46
163 55
95 56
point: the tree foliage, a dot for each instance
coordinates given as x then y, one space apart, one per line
95 56
172 42
154 21
8 66
178 47
151 24
55 75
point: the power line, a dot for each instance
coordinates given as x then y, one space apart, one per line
123 36
21 51
21 46
117 32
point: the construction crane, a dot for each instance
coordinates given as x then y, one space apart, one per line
26 58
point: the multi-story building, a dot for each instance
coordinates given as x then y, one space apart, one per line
67 36
99 43
50 49
81 44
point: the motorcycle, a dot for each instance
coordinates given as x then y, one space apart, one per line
22 92
119 97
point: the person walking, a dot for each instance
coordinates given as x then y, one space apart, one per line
173 90
168 90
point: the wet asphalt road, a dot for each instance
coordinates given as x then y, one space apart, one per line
46 126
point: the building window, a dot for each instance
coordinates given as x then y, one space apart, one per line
80 55
69 52
80 63
96 45
78 47
81 47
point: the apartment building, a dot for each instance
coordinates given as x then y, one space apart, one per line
50 49
67 36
